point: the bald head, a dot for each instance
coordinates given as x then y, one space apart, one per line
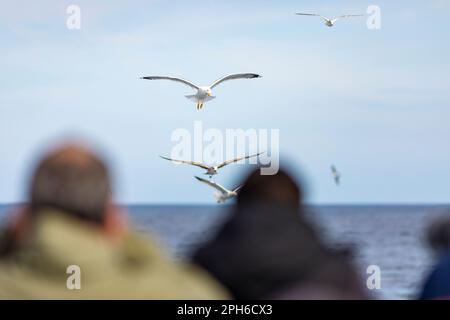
74 180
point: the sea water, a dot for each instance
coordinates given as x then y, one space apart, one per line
390 237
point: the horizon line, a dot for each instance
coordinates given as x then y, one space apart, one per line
350 204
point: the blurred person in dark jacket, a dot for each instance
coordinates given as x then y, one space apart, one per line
268 250
71 223
437 283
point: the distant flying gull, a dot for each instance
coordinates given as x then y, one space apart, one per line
336 175
204 93
223 194
330 22
212 170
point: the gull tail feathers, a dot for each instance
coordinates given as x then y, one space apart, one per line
219 197
209 98
192 98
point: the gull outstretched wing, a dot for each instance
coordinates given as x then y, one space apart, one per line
223 164
197 164
235 77
213 184
186 82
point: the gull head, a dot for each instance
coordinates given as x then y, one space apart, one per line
205 91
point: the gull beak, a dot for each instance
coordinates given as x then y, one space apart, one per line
209 94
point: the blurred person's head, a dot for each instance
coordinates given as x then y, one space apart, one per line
438 234
72 180
278 189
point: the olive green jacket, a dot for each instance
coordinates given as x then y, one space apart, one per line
134 269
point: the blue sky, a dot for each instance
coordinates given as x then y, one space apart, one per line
375 103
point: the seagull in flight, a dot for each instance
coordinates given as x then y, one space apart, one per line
212 170
336 175
204 93
223 194
330 22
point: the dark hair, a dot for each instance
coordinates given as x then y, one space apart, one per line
73 180
275 189
438 234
